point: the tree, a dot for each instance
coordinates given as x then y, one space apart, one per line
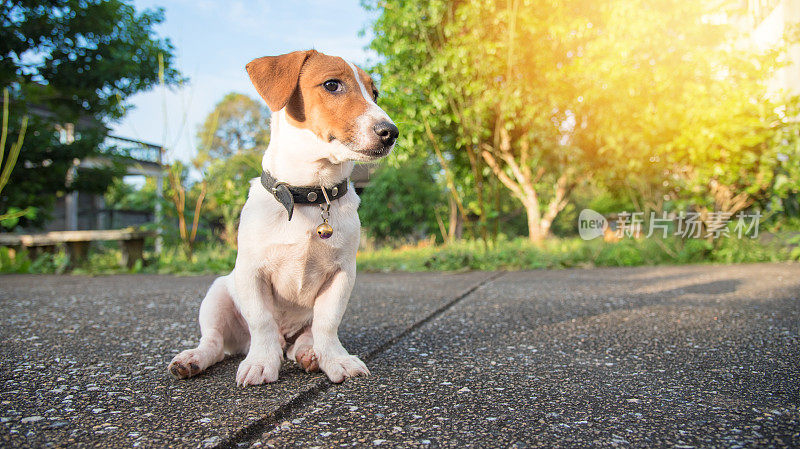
240 125
547 94
730 158
232 139
410 41
72 62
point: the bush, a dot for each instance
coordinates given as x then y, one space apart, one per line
14 263
397 203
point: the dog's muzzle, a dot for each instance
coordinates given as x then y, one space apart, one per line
387 133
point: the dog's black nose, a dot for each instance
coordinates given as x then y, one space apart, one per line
387 132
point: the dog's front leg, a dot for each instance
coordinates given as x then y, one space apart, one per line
329 307
255 301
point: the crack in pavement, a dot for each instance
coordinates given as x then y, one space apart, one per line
252 431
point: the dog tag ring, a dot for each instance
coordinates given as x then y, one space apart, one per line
324 230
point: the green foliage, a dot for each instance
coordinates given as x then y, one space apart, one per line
520 254
19 263
213 258
123 196
517 254
72 62
400 202
12 216
12 261
106 258
210 258
795 251
784 190
586 89
773 249
412 68
228 184
233 139
90 54
56 263
41 171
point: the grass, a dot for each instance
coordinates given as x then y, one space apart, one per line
520 254
516 254
212 258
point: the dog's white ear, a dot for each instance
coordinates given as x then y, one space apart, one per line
275 77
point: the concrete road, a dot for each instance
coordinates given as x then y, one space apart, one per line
695 356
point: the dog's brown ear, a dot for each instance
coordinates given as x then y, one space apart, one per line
275 77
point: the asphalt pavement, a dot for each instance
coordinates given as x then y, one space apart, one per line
691 356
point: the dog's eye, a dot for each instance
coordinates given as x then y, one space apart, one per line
333 86
375 95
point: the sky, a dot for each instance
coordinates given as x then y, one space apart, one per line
214 40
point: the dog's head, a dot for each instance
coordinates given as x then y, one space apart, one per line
328 96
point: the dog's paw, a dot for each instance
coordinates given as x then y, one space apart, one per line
340 368
307 359
186 364
257 372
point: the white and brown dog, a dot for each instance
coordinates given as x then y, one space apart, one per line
289 288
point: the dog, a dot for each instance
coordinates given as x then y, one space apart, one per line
290 284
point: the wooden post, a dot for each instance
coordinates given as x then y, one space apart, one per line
132 250
77 251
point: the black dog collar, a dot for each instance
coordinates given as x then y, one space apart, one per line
291 195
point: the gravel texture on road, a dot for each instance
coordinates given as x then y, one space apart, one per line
83 359
692 356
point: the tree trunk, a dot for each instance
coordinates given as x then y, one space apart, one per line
561 192
456 222
535 233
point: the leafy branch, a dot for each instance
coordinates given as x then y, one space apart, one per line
11 215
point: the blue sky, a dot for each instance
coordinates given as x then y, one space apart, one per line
215 39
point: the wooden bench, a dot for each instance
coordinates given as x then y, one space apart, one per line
77 242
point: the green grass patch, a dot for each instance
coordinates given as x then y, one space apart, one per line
520 254
516 254
214 258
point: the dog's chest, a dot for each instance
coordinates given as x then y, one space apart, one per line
297 271
300 265
290 256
